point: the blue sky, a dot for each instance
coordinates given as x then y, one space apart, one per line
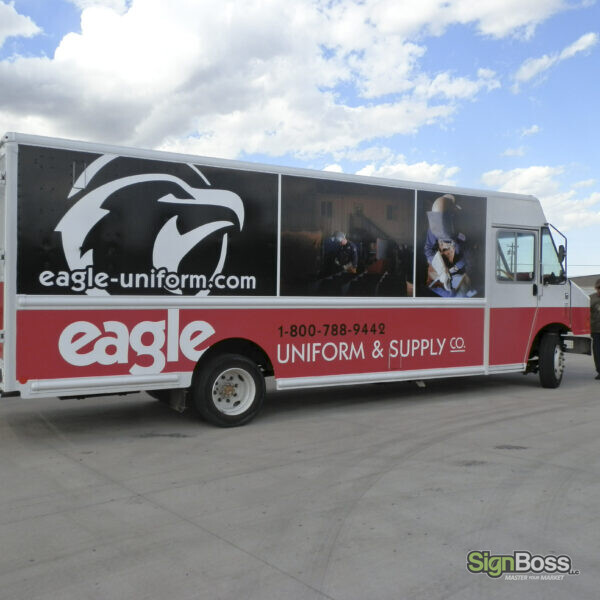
500 94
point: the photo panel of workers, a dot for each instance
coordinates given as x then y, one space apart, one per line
346 239
450 245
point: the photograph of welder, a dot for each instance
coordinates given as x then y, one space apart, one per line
341 238
450 245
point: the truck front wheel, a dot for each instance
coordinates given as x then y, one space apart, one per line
551 360
229 390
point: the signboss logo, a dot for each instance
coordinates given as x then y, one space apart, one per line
82 343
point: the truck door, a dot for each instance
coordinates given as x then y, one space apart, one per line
514 296
554 293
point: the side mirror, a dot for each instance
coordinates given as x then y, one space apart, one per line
561 253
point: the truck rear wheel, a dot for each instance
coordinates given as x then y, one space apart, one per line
551 360
229 390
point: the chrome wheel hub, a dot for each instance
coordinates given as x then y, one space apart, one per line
559 361
233 391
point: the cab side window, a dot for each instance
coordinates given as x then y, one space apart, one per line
515 256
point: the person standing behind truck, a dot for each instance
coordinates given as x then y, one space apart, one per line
595 326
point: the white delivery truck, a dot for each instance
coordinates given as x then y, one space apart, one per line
194 278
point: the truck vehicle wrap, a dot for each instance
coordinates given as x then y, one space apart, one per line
127 270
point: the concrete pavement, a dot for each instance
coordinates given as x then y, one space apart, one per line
374 492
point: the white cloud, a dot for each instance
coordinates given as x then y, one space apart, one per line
585 42
13 24
224 77
571 212
335 168
536 180
563 208
119 6
520 151
495 18
501 18
533 67
321 127
370 153
585 183
530 130
397 168
446 86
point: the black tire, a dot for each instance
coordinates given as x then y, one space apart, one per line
229 390
551 360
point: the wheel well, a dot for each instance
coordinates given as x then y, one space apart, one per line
238 346
558 328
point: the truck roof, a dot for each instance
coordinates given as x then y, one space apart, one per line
102 148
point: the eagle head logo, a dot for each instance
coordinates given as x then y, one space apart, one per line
133 216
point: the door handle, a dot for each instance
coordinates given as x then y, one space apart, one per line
535 289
